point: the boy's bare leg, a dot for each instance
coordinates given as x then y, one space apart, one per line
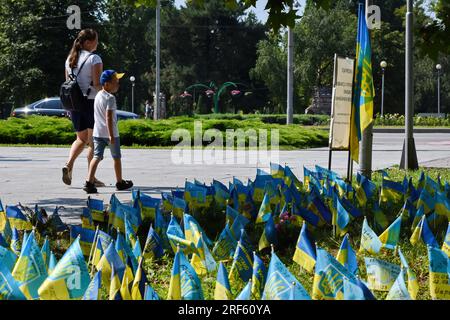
92 169
118 169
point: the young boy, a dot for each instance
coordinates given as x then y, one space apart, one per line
106 132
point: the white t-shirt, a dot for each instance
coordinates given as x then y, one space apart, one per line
104 101
85 76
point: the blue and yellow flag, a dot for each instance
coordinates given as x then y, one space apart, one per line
442 205
193 231
424 232
264 210
389 238
109 260
70 278
15 242
176 237
230 214
258 277
130 234
140 279
175 278
391 192
102 243
307 215
30 270
439 274
148 205
9 288
153 246
381 275
161 229
305 251
398 290
87 238
46 252
137 249
380 220
5 226
246 293
191 288
347 256
328 277
127 281
446 244
238 225
225 246
221 193
290 179
269 236
413 284
369 239
352 291
86 219
150 293
92 290
365 189
96 208
279 282
38 215
342 216
125 252
114 288
17 219
242 263
427 201
223 289
7 258
202 261
276 170
364 92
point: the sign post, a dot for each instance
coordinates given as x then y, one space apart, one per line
341 108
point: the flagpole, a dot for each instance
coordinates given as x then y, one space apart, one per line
92 246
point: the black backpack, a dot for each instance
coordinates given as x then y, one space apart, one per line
72 98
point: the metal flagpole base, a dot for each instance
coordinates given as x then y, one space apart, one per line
412 156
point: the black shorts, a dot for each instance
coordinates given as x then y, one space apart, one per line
83 120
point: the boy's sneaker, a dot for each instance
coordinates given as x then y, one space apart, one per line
67 175
89 187
98 183
124 185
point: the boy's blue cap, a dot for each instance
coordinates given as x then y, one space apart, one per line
108 75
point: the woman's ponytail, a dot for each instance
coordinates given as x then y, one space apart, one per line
78 44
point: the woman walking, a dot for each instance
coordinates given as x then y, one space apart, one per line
88 77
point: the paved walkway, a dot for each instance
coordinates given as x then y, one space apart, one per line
33 175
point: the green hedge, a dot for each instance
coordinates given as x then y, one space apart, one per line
399 120
50 130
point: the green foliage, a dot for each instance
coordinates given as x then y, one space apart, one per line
37 130
399 120
50 130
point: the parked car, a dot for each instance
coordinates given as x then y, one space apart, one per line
53 107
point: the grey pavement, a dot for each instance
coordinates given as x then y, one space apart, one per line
33 175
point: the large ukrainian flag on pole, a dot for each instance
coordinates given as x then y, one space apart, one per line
364 91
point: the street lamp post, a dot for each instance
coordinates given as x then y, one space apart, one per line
438 68
409 154
132 79
383 66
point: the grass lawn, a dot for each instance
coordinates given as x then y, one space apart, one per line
158 271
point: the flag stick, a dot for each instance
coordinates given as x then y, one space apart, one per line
92 246
95 248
